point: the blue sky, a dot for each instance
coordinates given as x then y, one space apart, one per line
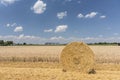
40 21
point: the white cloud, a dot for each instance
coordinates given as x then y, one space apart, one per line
57 38
39 7
94 39
11 25
8 25
36 39
61 28
103 16
78 1
21 36
18 29
86 39
116 34
7 2
49 30
61 15
80 15
91 15
24 38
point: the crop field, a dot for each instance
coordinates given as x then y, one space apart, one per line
42 63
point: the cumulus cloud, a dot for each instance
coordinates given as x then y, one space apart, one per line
61 15
48 30
21 36
18 29
11 25
91 15
39 7
61 28
8 25
24 38
94 39
57 38
7 2
36 39
103 16
80 15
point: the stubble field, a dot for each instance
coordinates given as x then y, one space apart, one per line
42 63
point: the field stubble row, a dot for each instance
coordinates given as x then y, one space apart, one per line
103 54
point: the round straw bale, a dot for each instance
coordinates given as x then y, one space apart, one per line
77 56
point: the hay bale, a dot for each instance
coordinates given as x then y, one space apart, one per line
77 56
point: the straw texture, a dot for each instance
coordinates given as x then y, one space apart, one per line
77 56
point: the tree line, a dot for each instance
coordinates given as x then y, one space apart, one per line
11 43
6 43
105 43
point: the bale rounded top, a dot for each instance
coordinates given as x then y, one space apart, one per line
77 56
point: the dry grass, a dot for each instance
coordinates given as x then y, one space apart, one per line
107 54
107 64
52 71
103 54
30 53
53 74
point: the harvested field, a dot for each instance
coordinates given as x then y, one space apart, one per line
103 54
30 53
107 63
52 71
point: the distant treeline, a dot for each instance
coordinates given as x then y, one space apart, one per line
11 43
105 43
99 43
6 43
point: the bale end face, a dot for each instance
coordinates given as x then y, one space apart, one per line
77 56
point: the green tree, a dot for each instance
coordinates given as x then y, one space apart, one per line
24 43
1 43
8 43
